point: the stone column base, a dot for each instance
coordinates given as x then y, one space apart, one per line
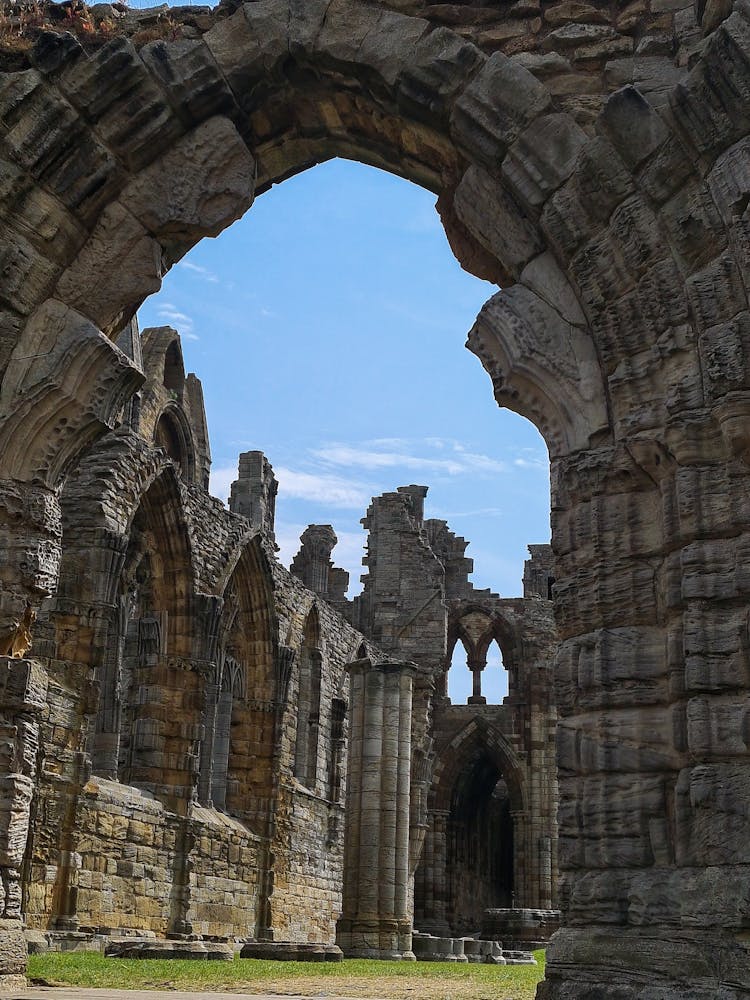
13 956
389 939
628 963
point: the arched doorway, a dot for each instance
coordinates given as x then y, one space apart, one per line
475 847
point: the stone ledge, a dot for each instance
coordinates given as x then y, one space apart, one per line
199 950
287 951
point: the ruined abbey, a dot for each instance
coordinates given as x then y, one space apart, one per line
200 746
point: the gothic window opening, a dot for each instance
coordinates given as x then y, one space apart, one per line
230 692
308 704
495 675
461 683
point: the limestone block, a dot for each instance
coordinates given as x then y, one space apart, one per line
711 814
576 35
575 213
724 353
13 952
55 49
663 378
717 728
28 274
249 44
16 791
694 226
656 309
635 740
634 230
729 182
667 170
188 72
205 182
491 215
601 272
377 40
115 92
543 157
46 136
716 649
653 76
574 12
436 71
712 105
617 667
121 248
23 688
42 219
492 111
715 569
598 896
591 599
708 498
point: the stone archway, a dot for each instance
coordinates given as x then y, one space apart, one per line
475 849
624 339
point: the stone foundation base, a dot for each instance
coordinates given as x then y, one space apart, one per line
387 939
285 951
12 984
629 964
13 954
520 928
200 950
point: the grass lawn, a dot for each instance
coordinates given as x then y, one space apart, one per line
350 978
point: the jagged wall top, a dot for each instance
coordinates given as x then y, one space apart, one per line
581 50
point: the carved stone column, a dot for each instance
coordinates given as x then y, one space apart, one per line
30 531
375 921
23 692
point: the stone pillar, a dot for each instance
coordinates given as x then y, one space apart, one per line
23 692
30 531
253 493
434 918
312 564
375 921
477 665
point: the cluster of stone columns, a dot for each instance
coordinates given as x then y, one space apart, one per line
375 920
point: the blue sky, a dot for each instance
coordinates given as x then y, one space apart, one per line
327 327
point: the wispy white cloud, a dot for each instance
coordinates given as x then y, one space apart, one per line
221 480
539 464
322 488
203 272
174 316
479 512
387 453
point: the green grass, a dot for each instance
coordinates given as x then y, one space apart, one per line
352 977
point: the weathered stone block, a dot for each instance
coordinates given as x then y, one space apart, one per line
543 157
486 120
189 74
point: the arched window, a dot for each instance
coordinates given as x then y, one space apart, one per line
175 439
174 371
459 675
308 704
229 692
495 675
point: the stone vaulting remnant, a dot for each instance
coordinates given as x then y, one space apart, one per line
593 161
